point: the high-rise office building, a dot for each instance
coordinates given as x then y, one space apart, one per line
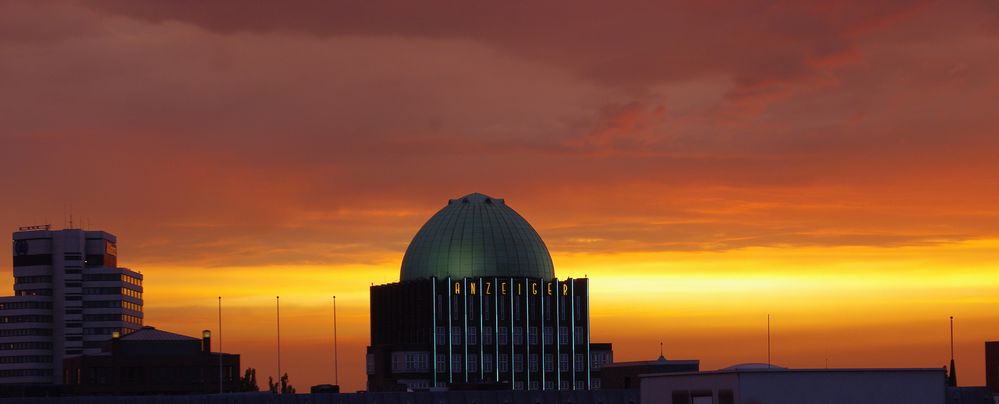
478 306
69 297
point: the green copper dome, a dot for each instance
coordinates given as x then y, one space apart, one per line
476 235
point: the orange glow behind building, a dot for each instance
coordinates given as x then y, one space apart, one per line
841 307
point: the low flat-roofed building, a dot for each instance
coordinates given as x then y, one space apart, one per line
760 383
626 375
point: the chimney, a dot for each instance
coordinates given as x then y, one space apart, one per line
206 341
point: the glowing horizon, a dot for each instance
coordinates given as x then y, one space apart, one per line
843 313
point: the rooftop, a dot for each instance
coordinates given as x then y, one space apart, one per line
149 333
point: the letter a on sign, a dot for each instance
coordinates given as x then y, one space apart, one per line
457 288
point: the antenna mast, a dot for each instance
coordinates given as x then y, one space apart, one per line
952 378
952 338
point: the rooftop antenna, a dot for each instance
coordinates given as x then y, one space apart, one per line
952 339
768 341
336 359
661 356
952 378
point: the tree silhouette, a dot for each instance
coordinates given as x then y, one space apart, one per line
286 388
249 380
282 386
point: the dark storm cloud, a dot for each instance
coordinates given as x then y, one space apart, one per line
193 128
634 42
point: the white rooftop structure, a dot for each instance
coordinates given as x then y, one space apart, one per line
763 384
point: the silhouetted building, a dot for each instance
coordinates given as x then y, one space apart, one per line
478 307
759 383
151 361
69 296
970 395
626 375
992 366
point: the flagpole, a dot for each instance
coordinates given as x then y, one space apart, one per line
220 346
278 300
336 359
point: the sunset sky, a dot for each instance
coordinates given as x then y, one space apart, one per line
705 163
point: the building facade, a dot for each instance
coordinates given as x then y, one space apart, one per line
478 307
69 296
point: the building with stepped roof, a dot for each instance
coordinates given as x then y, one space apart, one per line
478 306
70 295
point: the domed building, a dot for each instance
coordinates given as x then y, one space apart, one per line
478 306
